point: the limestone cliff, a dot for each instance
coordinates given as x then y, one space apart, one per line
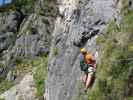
80 23
25 36
40 42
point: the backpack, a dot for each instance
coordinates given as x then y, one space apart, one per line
83 65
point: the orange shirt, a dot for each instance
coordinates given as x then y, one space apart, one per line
89 58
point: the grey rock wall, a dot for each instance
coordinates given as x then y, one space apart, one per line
10 24
24 32
25 35
78 25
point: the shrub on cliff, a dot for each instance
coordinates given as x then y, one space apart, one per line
115 72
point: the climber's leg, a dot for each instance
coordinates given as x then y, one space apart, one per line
85 78
89 77
88 81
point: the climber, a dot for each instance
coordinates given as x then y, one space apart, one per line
88 65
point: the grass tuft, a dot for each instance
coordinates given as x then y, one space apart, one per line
5 85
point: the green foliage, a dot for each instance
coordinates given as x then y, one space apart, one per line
55 51
114 70
38 66
5 85
41 12
26 5
128 23
49 3
125 9
24 65
40 75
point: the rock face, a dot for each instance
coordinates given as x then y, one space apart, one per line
78 25
24 91
24 35
10 24
34 37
